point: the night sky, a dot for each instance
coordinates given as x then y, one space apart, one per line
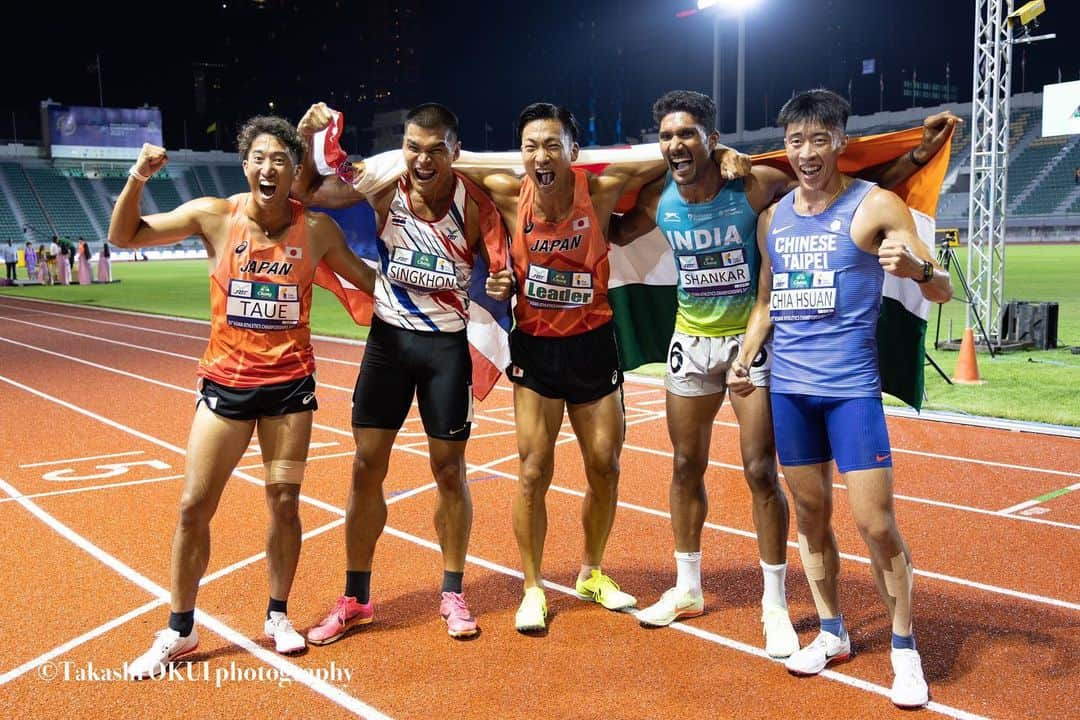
220 62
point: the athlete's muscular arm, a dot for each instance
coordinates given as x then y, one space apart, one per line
129 229
936 130
625 228
372 175
618 178
760 324
329 239
885 221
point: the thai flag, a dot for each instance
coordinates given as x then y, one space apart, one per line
489 321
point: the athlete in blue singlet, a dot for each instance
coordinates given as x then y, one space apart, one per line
829 243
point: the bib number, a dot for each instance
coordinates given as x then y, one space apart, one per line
421 272
549 288
807 295
715 274
262 305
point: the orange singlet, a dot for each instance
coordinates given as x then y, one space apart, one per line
260 298
561 268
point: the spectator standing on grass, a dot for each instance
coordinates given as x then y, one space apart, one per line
45 266
85 276
30 257
104 264
11 259
63 264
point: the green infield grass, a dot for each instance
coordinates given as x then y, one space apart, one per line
1041 386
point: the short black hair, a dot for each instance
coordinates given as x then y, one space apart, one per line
700 106
548 111
818 105
279 127
433 116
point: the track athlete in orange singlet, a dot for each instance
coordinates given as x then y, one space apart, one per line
258 370
563 352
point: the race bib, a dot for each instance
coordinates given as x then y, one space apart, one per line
807 295
549 288
421 272
715 274
262 305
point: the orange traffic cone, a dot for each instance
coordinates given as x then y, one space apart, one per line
967 367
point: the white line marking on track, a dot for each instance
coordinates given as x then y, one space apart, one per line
71 491
80 459
297 673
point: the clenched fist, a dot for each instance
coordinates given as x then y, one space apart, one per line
733 164
499 285
151 159
315 119
896 259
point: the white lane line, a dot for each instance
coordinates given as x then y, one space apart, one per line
80 459
296 672
71 491
238 639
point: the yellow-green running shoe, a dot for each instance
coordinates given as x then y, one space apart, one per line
602 589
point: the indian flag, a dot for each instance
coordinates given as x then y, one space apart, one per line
642 285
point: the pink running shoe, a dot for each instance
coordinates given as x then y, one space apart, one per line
459 621
346 613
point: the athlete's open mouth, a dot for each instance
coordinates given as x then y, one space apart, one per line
679 164
423 175
810 171
545 177
266 190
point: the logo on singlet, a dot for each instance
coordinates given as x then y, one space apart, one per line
241 248
528 227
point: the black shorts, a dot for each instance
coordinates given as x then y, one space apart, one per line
578 368
264 401
397 363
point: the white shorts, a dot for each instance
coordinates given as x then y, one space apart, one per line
698 365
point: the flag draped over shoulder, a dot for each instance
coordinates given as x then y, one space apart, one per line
489 322
643 279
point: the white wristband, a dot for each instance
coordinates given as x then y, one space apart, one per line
379 171
137 175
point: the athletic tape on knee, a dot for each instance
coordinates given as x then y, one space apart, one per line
287 472
898 582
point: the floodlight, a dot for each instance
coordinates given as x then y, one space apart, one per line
733 5
1026 14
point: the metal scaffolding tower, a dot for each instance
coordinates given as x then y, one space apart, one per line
989 163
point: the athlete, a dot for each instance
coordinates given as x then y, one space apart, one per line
563 353
429 226
257 374
711 225
829 243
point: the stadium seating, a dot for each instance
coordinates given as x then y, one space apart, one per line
27 200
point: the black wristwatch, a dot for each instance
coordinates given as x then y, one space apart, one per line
927 272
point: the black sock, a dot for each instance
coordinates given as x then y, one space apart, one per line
182 622
276 606
451 581
358 585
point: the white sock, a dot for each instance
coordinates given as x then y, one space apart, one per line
774 594
688 565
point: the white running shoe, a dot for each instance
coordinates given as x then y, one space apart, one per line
781 641
812 659
909 688
675 603
167 647
279 629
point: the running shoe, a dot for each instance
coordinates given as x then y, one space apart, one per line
674 604
781 641
602 589
532 614
826 649
346 613
279 629
168 646
909 688
459 621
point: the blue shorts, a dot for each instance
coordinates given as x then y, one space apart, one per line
811 429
